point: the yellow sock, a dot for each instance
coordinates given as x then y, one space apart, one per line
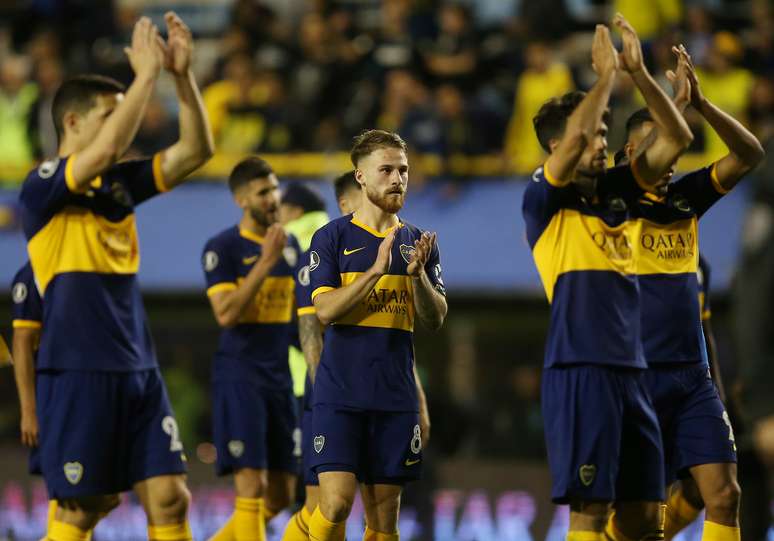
373 535
170 532
52 505
584 535
612 531
718 532
61 531
298 527
679 514
249 524
322 529
226 532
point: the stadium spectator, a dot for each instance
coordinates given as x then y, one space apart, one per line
48 75
726 84
651 20
452 56
543 78
17 97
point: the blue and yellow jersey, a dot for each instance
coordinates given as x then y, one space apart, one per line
367 358
703 276
27 310
668 263
85 256
256 348
583 250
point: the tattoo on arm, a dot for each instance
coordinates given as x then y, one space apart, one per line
311 342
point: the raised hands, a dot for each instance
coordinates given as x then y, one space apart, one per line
422 249
604 57
147 51
631 59
679 78
179 46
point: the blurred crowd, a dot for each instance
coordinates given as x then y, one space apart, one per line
455 78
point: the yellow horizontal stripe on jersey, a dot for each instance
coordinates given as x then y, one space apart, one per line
218 288
95 183
389 305
716 181
158 174
579 242
322 289
306 310
26 324
77 240
667 248
273 303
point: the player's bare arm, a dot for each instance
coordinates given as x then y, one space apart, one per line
429 304
673 136
146 56
583 123
25 341
745 151
424 411
196 144
311 338
333 305
228 306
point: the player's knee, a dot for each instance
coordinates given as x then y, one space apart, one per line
172 503
725 501
250 483
336 507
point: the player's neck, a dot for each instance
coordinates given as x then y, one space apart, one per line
67 148
248 223
374 217
585 184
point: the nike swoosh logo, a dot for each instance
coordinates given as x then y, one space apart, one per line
249 260
350 252
412 462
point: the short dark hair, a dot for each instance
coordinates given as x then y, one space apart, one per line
303 196
345 183
79 94
551 120
371 140
248 170
637 119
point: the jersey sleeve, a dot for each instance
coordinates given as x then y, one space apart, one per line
219 271
27 308
434 270
303 288
700 189
45 191
323 263
142 178
542 199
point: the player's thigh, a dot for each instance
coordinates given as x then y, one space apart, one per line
165 498
83 436
583 417
381 504
641 475
239 425
393 448
282 425
156 449
703 433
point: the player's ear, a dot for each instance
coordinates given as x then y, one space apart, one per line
71 122
359 177
552 144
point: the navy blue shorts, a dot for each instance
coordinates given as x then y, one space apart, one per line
379 447
307 446
602 435
694 422
253 427
102 432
